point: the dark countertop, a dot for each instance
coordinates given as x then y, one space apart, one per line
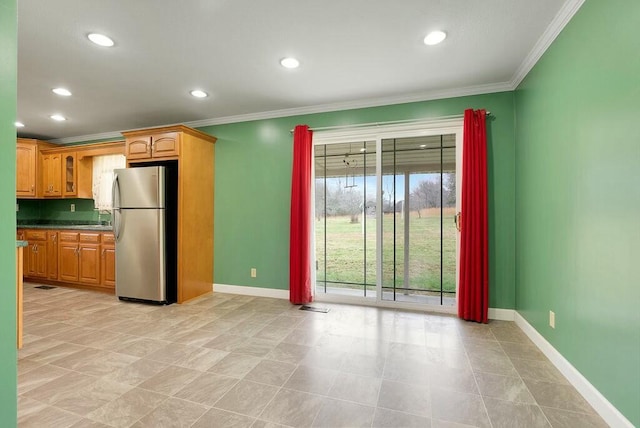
91 227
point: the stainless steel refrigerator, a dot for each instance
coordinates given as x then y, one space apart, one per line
139 226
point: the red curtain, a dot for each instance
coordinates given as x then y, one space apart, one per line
300 235
473 292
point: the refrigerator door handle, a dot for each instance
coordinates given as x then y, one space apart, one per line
115 192
116 223
115 206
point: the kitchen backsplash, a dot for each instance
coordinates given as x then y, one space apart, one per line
59 209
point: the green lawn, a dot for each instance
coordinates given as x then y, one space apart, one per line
345 260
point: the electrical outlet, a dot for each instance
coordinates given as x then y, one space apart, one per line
73 208
253 273
17 207
552 319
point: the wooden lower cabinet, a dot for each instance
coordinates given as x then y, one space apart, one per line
89 263
89 258
36 253
67 256
52 255
108 262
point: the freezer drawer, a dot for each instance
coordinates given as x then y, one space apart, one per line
140 254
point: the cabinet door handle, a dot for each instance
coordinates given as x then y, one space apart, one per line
33 187
54 238
77 250
104 251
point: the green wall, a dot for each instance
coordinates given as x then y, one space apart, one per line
578 198
59 210
253 185
8 84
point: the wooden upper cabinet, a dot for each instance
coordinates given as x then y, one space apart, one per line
26 178
69 174
165 145
66 173
139 147
161 143
52 175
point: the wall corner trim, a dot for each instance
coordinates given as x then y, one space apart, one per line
605 409
553 30
251 291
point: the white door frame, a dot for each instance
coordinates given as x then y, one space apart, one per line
378 133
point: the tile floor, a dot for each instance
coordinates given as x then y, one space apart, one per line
237 361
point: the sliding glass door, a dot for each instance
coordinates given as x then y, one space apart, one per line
418 231
384 218
345 218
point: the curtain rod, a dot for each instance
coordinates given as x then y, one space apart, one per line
392 122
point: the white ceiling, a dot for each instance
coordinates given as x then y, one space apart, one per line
353 53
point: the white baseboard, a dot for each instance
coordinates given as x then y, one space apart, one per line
251 291
494 313
605 409
501 314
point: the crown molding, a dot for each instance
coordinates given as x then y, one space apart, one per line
324 108
351 105
556 26
83 138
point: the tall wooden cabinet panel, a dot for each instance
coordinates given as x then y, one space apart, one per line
52 175
26 158
108 261
194 151
21 236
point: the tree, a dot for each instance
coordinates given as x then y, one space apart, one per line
320 199
341 201
450 189
426 194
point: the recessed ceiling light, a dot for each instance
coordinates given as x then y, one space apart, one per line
61 91
100 39
58 117
435 37
199 94
422 146
19 125
289 63
363 149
